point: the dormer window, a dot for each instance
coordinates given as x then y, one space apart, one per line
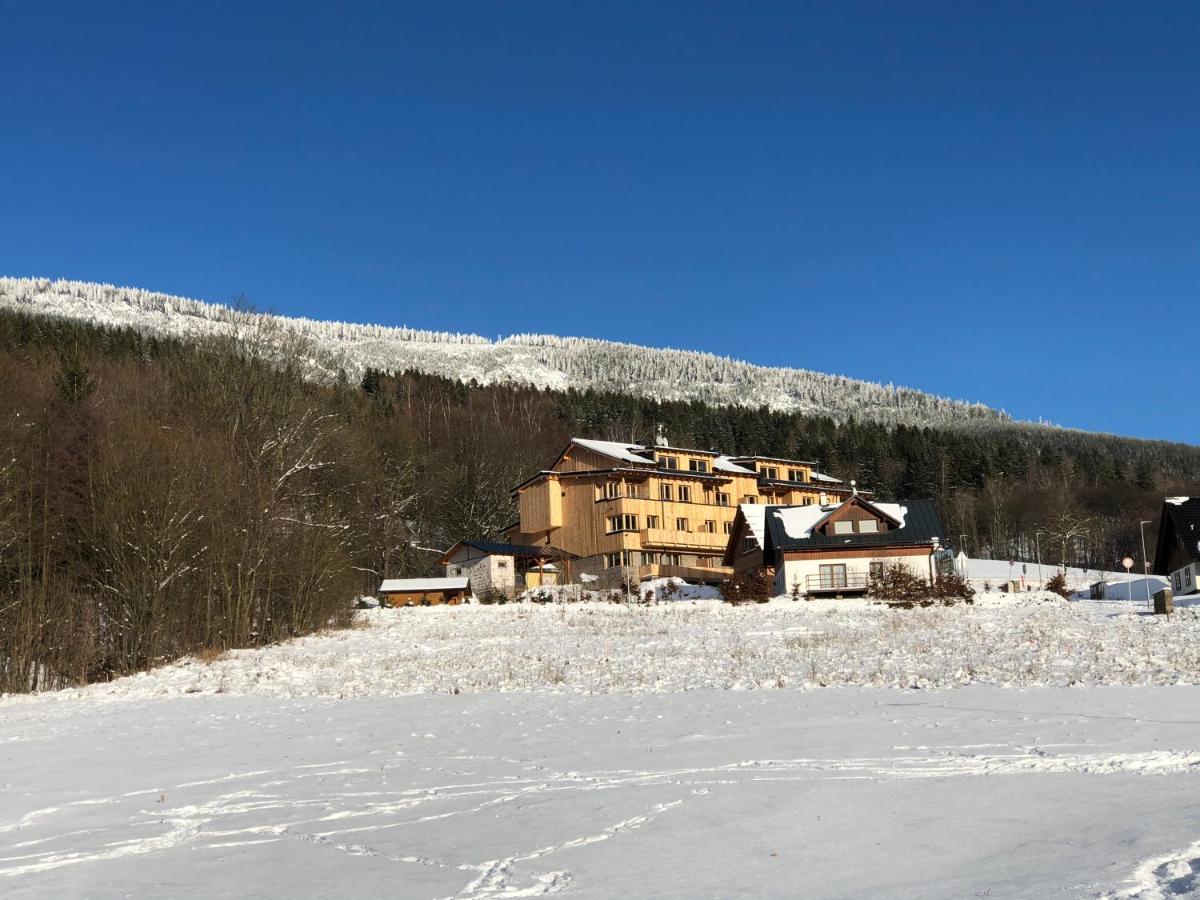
843 527
797 475
697 465
771 473
668 462
868 526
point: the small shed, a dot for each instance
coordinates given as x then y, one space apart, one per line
423 591
507 568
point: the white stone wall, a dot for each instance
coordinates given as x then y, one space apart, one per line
487 572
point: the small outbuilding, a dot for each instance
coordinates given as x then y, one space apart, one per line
424 591
506 568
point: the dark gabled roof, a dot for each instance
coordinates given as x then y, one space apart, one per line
921 526
1180 524
520 551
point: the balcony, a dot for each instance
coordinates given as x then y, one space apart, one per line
838 583
697 540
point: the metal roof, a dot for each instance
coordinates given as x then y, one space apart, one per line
1180 523
497 548
921 526
422 585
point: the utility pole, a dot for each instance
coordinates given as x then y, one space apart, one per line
1145 562
1038 543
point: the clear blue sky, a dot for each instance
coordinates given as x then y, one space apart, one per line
999 202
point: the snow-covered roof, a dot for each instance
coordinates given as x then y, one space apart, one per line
755 515
726 464
615 449
799 521
821 476
1177 501
405 585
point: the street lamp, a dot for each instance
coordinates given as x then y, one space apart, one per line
1037 543
1145 562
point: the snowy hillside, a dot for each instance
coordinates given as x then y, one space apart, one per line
542 360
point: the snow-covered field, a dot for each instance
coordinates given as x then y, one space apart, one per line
599 750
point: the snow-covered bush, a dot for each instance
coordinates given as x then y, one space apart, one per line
1058 584
746 587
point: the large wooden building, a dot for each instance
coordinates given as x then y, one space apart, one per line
630 512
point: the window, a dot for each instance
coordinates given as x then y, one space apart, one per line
797 475
681 524
455 570
771 473
649 558
685 494
651 521
868 526
664 492
750 499
833 576
722 498
611 489
631 490
843 527
877 569
697 465
729 528
626 522
806 501
612 560
502 564
748 543
710 526
670 559
668 462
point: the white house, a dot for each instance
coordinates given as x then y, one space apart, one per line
835 550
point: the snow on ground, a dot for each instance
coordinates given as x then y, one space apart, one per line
1023 639
991 573
597 750
840 793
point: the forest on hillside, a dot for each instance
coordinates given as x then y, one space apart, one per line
160 498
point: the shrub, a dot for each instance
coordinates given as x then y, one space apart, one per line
952 587
1058 584
898 586
746 587
491 595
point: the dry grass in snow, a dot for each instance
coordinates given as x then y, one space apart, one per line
604 648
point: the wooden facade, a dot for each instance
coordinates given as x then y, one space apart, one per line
635 512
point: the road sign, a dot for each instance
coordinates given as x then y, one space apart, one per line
1127 562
